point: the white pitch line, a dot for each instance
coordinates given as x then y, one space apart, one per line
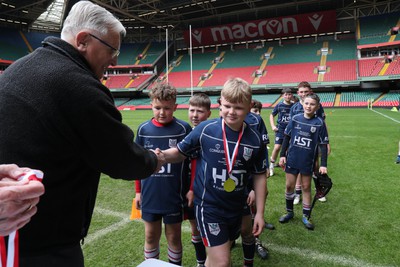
305 253
116 226
314 255
386 116
113 227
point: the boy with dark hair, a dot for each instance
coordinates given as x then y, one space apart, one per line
199 110
161 196
282 109
230 152
304 133
304 89
257 107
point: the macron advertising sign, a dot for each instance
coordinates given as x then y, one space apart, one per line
316 22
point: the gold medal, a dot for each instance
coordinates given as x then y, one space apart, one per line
229 185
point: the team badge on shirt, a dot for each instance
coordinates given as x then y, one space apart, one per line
313 129
172 142
247 153
148 145
214 228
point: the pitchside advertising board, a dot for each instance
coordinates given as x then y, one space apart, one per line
316 22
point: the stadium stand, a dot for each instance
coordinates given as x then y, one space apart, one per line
155 50
390 99
138 81
357 99
267 99
270 64
376 29
327 98
129 53
289 73
118 81
34 39
12 45
219 76
341 70
120 101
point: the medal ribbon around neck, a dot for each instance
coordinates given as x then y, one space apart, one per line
229 184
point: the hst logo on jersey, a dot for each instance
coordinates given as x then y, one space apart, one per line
165 168
302 141
285 119
172 142
237 176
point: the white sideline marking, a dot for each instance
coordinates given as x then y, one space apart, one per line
100 233
116 226
386 116
305 253
341 260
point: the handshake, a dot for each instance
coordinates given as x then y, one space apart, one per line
160 157
171 155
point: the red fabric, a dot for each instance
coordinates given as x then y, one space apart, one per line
192 173
138 186
3 253
16 248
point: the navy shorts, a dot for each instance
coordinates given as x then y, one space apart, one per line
279 135
246 210
295 171
215 229
189 213
170 218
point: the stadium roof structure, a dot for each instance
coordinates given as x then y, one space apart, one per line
145 19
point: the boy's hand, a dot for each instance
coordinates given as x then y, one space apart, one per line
323 170
160 158
138 201
190 197
251 198
259 224
282 162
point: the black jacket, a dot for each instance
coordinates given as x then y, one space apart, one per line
56 116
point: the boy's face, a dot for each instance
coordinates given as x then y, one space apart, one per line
303 92
255 111
163 111
310 107
287 97
234 113
198 114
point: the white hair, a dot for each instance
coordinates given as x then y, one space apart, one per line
85 15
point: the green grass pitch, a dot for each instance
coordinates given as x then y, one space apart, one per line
357 226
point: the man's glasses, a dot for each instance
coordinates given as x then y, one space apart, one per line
115 50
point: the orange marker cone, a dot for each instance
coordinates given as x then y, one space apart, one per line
135 213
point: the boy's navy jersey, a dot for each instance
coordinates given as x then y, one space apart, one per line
163 192
283 112
305 136
211 170
297 108
255 121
